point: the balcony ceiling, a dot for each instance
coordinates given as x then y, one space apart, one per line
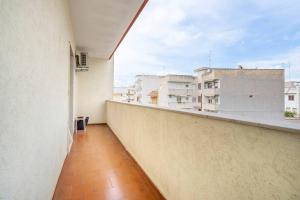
100 25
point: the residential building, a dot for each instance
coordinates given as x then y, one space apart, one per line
125 94
177 91
144 84
247 92
131 151
292 97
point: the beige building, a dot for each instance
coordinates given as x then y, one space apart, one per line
177 91
246 92
125 94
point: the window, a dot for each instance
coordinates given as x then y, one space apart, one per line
186 85
187 98
194 99
217 84
294 110
209 101
208 85
199 86
291 97
178 99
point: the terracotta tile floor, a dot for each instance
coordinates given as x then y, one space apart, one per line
99 167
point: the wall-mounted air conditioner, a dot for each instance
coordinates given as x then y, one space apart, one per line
82 62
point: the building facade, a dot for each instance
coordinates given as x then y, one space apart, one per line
246 92
124 94
292 97
177 91
144 85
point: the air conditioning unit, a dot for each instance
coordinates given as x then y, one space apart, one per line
82 62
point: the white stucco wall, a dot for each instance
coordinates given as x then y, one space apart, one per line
34 64
292 105
94 87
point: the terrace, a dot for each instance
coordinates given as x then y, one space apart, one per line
130 151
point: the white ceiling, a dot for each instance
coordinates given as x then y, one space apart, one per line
100 24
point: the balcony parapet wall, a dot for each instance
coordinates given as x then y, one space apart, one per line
193 155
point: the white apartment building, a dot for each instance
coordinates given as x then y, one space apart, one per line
177 91
144 85
247 92
125 94
292 97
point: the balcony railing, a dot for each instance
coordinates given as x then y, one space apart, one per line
195 155
211 91
209 106
181 92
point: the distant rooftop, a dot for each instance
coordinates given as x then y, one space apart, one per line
178 75
237 68
146 75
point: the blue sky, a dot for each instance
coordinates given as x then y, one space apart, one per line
177 36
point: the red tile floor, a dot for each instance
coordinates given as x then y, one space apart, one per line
98 167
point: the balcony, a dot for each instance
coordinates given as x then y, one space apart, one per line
181 92
211 91
99 167
186 155
210 106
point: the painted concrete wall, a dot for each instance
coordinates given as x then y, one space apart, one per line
193 157
94 87
266 88
34 64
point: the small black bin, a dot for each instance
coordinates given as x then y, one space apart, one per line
81 123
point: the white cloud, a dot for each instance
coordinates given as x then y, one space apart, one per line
189 29
289 61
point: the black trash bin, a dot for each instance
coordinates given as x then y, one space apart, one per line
80 124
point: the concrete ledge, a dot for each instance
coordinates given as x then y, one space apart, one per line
280 125
190 155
